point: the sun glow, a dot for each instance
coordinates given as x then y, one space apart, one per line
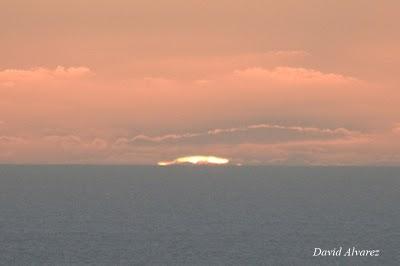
197 159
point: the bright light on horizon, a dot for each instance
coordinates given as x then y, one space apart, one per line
197 159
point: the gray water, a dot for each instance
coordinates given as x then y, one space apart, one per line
131 215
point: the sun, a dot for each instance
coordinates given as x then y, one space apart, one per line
197 160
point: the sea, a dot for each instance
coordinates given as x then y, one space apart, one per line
197 215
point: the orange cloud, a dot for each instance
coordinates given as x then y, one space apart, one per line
12 77
293 76
396 128
10 140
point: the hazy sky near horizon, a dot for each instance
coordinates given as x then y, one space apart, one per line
258 82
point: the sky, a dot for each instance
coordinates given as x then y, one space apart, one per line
289 82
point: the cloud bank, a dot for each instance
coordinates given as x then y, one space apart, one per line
71 115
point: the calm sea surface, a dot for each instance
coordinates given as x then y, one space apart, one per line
130 215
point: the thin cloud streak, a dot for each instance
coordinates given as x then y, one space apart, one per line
218 131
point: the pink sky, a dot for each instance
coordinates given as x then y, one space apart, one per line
259 82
